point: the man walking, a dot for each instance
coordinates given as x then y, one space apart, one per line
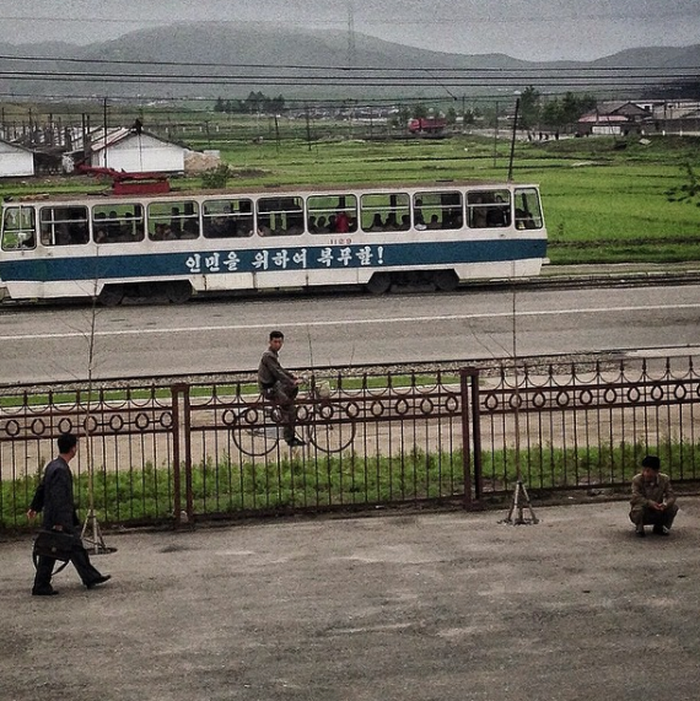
280 387
60 515
653 501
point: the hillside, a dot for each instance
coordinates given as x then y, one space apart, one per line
231 59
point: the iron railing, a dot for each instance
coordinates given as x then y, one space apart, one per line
175 451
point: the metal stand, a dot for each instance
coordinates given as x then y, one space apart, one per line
94 544
521 501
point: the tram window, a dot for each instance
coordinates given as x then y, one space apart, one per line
18 228
117 223
280 216
336 214
488 208
385 212
437 210
528 212
172 221
227 218
63 226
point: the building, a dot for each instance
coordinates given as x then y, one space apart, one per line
616 118
130 150
15 161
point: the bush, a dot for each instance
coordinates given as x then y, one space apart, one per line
217 178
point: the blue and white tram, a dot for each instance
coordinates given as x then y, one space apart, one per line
179 243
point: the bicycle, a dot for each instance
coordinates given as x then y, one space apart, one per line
257 428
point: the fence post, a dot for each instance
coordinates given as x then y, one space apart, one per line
181 444
470 424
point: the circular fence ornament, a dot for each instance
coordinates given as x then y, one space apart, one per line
12 428
90 424
142 421
37 427
116 423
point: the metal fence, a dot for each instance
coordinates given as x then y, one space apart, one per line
177 451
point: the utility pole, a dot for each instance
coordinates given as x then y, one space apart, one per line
351 34
104 125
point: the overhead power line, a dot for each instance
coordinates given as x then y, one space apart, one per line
537 69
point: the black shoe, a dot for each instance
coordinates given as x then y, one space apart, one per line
661 530
295 442
640 533
44 592
100 580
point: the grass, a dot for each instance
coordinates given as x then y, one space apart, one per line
348 480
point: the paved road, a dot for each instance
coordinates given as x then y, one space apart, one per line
420 607
48 344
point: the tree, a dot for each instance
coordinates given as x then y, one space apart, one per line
420 111
689 191
529 108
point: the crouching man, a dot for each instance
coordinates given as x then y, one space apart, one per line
653 501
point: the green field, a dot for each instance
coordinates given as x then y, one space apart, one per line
604 198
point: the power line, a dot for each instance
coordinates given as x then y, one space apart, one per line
538 68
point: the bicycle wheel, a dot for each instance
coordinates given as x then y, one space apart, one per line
251 437
331 437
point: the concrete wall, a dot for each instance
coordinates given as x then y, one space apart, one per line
15 162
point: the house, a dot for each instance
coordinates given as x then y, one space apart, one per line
15 161
130 150
616 118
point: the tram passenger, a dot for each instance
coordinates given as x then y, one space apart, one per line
478 214
391 224
113 226
434 222
128 231
377 223
342 223
190 230
175 222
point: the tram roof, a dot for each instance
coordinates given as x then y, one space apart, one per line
270 190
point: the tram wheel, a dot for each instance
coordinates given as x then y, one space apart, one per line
111 295
178 292
379 283
446 280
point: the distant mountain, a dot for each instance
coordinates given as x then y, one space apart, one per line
230 60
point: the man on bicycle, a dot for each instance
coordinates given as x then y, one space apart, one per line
280 387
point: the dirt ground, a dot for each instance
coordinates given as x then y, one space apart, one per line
390 607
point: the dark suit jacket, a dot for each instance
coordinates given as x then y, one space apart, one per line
59 508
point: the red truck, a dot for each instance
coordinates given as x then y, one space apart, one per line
426 125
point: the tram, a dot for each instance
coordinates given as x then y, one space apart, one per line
116 246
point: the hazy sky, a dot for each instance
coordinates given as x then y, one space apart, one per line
527 29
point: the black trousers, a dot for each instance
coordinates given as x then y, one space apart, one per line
79 559
283 396
644 516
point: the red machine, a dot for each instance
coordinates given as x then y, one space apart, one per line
427 125
124 183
